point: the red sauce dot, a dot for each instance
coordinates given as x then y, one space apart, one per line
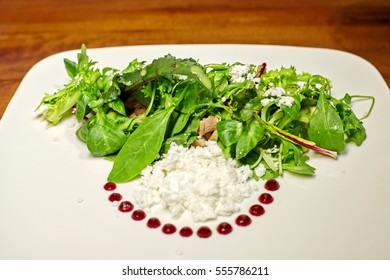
125 206
204 232
266 198
109 186
256 210
186 232
153 223
168 229
272 185
224 228
243 220
138 215
115 197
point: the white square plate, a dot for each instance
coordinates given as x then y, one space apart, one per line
53 205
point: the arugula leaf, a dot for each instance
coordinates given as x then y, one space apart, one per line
294 160
355 130
353 126
326 127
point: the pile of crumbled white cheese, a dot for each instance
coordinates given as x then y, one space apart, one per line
199 180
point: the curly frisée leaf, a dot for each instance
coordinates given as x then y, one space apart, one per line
62 101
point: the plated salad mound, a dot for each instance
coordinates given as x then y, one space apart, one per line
267 119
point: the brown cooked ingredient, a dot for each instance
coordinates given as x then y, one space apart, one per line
207 126
207 131
134 108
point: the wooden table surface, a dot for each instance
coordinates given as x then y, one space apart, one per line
33 30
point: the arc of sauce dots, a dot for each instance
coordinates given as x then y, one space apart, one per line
224 228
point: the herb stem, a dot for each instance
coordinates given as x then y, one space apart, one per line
371 106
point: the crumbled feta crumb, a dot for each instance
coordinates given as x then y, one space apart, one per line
301 84
256 80
199 180
180 77
238 73
277 94
250 76
273 150
260 170
78 78
286 100
266 101
110 73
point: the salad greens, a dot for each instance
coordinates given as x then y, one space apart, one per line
266 119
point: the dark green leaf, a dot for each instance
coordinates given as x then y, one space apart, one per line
185 108
141 148
251 135
229 131
104 137
82 107
325 126
71 67
355 130
82 132
118 106
250 108
295 160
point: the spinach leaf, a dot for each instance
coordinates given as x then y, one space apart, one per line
251 135
229 131
83 130
141 148
82 106
118 106
104 137
326 127
185 107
